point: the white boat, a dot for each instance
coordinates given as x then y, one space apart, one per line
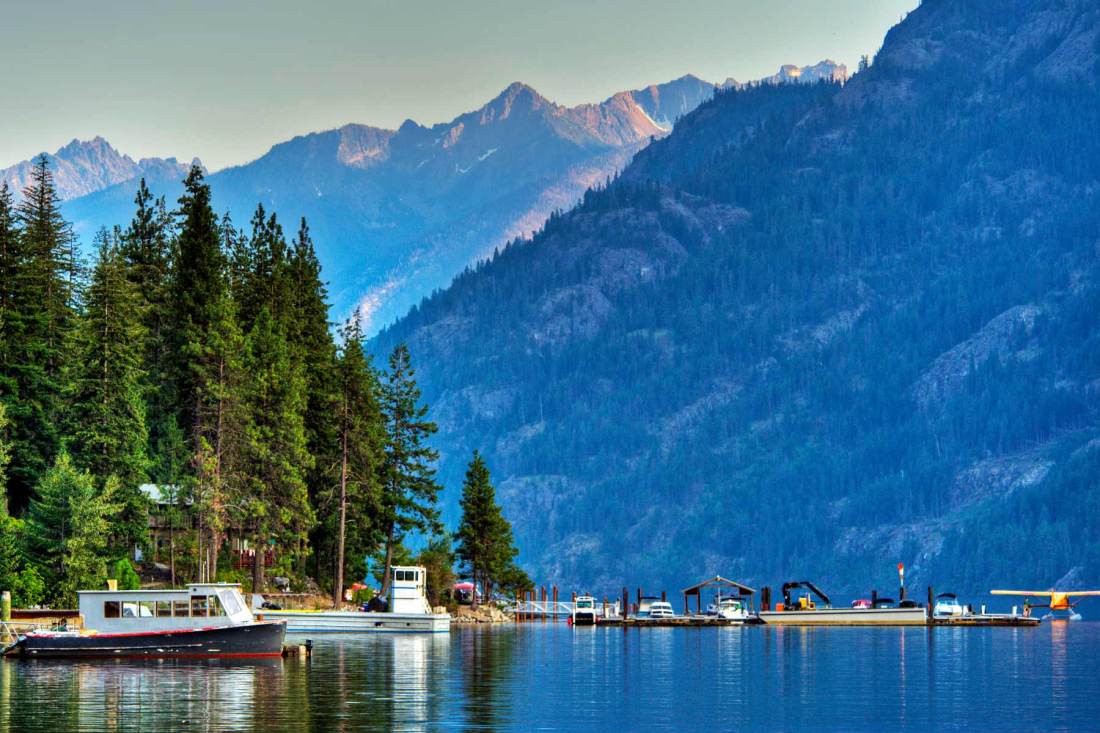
584 611
947 606
729 608
408 611
661 609
201 620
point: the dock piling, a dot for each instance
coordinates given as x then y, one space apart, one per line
5 606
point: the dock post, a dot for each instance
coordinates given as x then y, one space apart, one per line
931 618
687 607
638 605
663 599
626 604
542 600
766 598
874 598
555 606
5 606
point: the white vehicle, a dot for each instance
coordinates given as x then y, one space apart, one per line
661 609
947 606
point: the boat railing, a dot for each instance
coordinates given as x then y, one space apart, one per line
552 609
12 630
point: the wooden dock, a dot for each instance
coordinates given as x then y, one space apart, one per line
680 621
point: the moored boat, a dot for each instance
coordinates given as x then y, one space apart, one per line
584 611
407 610
815 609
202 620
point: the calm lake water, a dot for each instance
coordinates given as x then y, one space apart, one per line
551 677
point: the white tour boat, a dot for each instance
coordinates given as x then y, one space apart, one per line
408 611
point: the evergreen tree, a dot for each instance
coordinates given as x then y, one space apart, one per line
196 294
485 545
409 489
106 430
219 431
361 448
41 273
147 248
67 529
311 340
275 455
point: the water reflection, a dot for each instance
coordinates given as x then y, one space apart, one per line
555 678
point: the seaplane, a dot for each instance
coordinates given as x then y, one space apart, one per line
1059 601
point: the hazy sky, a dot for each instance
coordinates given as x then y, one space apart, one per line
224 80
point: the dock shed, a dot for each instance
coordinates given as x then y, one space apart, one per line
743 592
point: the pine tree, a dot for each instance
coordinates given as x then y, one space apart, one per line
106 430
485 545
409 489
311 341
219 431
196 294
40 276
147 248
275 455
361 441
67 528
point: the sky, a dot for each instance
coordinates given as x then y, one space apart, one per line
224 80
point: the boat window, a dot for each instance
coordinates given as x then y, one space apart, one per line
129 609
215 607
181 608
198 605
164 608
230 603
112 609
145 609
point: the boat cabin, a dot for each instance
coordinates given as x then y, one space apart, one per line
408 590
199 605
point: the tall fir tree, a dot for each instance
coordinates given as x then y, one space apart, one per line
147 249
219 431
105 424
485 545
275 454
41 277
196 294
361 447
311 340
409 489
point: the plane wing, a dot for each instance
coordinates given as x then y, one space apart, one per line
1045 593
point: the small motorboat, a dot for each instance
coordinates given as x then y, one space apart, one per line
729 608
584 612
947 606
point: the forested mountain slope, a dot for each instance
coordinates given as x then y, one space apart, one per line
816 331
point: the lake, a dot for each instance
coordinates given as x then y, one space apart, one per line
551 677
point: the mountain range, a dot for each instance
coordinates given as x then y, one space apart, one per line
398 213
815 331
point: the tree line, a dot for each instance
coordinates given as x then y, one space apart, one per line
197 356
